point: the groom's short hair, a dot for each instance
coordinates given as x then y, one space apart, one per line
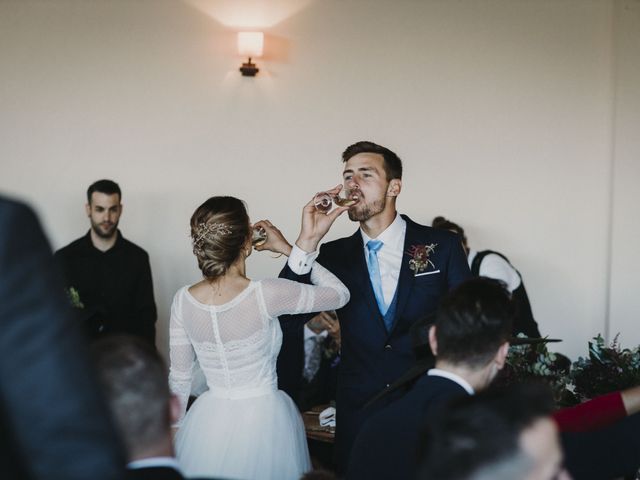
135 381
392 163
473 321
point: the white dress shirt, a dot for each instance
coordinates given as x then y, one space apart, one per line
496 267
389 256
436 372
310 337
151 462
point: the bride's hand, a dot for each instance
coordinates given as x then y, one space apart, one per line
316 224
275 239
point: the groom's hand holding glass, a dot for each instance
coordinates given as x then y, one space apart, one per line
316 223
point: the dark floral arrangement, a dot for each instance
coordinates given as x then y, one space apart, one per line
606 369
536 363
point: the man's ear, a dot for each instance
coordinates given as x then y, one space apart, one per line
87 208
501 356
433 343
174 409
395 186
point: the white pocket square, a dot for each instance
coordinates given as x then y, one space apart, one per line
426 273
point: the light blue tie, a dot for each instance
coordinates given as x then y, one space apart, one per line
374 274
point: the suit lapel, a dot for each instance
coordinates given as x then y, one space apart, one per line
406 278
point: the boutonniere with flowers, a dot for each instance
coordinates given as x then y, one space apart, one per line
420 257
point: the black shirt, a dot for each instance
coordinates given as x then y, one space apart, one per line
115 287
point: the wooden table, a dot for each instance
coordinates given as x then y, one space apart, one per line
313 428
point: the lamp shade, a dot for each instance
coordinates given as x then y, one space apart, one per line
250 44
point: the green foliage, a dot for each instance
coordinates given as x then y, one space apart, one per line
74 298
607 369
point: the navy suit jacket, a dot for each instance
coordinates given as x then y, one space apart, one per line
54 422
387 445
372 357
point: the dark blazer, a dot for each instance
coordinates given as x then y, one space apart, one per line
371 357
322 388
387 445
53 422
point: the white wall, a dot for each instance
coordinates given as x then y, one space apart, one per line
625 301
502 111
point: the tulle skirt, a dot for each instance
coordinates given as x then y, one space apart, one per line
260 437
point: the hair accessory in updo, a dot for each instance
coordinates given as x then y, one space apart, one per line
208 231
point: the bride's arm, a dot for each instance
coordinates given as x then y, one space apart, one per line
182 358
284 297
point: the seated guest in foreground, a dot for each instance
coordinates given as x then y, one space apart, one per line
54 425
495 436
470 342
134 379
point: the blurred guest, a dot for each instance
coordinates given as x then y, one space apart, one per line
53 421
110 274
495 436
470 341
135 381
488 263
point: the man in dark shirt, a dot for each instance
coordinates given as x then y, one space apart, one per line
111 275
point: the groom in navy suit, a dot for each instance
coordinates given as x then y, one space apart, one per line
396 271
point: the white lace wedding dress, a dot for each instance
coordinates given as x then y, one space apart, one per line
243 427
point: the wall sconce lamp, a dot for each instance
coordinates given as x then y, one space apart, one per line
250 44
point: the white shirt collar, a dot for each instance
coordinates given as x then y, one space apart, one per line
154 462
308 333
436 372
392 236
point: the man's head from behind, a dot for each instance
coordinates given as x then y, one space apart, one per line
473 326
104 207
495 436
376 173
134 379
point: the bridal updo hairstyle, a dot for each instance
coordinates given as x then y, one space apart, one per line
219 232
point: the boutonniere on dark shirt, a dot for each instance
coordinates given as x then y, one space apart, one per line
420 257
74 298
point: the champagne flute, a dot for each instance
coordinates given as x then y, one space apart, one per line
258 236
323 200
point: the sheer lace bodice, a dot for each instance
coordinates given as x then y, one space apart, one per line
237 343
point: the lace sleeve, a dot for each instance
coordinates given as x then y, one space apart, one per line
288 297
182 357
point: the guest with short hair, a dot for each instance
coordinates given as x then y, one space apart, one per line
110 274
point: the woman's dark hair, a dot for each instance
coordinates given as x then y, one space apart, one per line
442 223
219 232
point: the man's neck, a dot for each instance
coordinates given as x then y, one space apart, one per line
103 244
378 223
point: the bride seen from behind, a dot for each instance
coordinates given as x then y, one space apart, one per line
243 427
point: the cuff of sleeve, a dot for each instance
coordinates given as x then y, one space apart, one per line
300 262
